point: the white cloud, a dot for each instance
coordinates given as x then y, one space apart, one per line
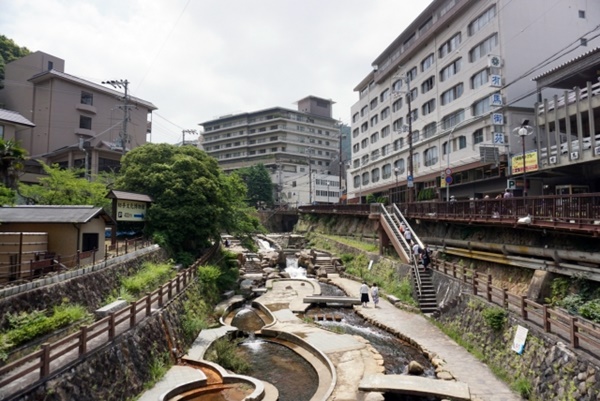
196 60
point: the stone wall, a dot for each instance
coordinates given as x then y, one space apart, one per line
88 290
120 369
547 367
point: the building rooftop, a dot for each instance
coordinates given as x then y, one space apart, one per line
15 118
52 214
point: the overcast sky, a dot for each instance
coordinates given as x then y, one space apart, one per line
197 60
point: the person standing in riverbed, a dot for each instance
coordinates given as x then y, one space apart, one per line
375 294
364 294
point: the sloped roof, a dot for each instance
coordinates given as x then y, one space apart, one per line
566 63
15 118
132 196
52 214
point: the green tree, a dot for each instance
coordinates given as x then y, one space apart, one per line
193 200
258 182
66 187
9 51
12 156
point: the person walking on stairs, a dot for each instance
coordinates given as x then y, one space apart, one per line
364 294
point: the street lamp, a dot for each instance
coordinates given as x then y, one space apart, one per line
523 131
396 173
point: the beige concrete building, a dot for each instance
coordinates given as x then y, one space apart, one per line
78 123
459 79
292 144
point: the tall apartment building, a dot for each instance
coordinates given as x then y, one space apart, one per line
459 79
78 123
294 145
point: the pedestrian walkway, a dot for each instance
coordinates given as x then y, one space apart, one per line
463 366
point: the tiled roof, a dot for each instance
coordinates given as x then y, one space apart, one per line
15 118
50 214
124 195
566 63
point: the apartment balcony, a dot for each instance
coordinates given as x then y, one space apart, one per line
88 108
85 133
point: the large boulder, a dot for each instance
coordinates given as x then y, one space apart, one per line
415 368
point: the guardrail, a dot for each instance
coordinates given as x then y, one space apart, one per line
48 359
578 331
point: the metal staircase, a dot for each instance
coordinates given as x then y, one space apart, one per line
422 281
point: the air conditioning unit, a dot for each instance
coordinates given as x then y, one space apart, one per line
574 155
552 160
597 151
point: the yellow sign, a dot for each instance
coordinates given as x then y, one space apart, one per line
131 210
531 162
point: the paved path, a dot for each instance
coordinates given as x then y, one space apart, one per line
463 366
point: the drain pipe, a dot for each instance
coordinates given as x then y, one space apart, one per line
555 254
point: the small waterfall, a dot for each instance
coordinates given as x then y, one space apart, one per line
291 268
264 245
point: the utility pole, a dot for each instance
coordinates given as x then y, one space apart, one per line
410 183
310 197
187 131
120 83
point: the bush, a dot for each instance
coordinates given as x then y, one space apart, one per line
591 310
571 303
495 318
224 352
148 278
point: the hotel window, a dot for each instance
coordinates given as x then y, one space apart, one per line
85 122
364 111
414 115
483 48
428 107
452 119
481 106
385 113
364 143
398 124
412 74
387 171
355 133
87 98
375 175
415 135
356 181
398 143
451 94
355 117
413 94
397 85
478 136
374 120
397 105
386 149
479 79
364 127
375 154
384 95
399 164
429 130
450 70
462 142
427 85
482 20
373 103
365 178
427 62
385 131
375 137
430 156
450 45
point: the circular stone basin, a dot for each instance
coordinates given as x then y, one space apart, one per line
220 392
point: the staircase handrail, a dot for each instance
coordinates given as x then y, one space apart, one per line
404 245
414 234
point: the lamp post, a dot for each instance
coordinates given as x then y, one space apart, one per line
522 132
397 173
120 83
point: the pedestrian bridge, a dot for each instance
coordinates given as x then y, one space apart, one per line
416 386
331 299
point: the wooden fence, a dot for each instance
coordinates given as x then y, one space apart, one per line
78 343
579 332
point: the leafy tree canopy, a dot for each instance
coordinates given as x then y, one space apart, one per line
258 181
66 187
12 156
193 201
9 51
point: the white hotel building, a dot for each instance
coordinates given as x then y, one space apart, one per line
469 65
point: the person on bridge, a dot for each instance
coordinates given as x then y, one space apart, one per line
426 256
364 294
375 294
417 253
408 236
